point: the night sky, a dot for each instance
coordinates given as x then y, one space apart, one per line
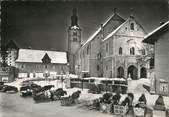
43 25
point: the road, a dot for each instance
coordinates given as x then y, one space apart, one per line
12 105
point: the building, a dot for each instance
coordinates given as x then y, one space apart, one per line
114 50
0 37
160 39
74 40
12 53
37 63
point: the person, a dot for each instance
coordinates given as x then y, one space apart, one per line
116 98
142 99
129 101
159 101
159 104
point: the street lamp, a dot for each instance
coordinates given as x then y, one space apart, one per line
46 74
68 67
62 79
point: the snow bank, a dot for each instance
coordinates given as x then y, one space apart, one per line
135 86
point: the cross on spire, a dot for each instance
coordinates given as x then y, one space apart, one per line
74 18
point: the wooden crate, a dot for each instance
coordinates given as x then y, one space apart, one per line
66 101
120 110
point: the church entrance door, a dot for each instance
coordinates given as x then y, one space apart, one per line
132 72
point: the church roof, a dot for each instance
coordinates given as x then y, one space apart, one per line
115 16
11 45
152 36
114 31
36 56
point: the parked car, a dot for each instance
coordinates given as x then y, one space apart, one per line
1 87
9 89
27 89
1 83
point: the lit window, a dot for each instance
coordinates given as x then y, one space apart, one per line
120 51
132 26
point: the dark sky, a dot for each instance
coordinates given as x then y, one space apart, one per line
43 25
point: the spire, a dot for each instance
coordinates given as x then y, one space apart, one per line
74 18
131 12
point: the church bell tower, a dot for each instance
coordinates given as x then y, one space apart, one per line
74 40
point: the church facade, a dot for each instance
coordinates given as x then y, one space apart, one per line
114 50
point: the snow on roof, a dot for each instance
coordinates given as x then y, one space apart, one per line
113 32
101 78
35 56
151 33
97 31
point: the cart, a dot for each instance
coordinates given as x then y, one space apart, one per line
66 101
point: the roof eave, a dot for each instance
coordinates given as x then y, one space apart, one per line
152 37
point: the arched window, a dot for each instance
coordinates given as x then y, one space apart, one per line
120 51
132 51
132 26
120 72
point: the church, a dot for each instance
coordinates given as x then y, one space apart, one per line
115 50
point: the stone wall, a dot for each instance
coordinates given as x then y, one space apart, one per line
162 60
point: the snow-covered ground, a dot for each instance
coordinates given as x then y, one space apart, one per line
134 86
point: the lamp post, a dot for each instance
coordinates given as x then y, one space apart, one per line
46 74
62 79
68 68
